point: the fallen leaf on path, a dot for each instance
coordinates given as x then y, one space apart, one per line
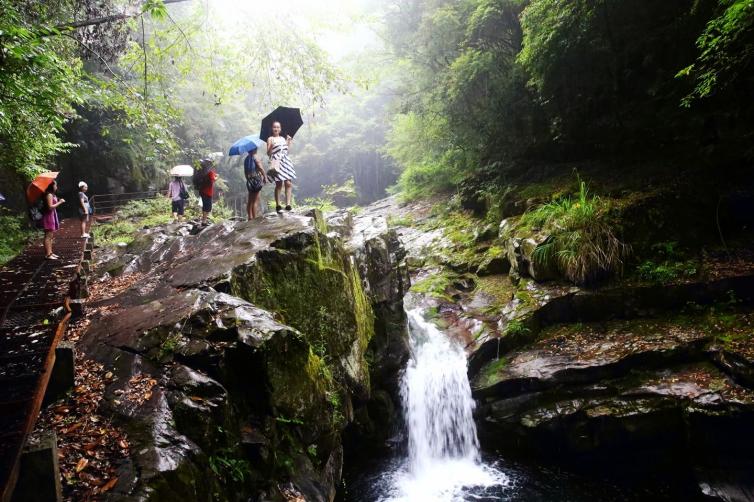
109 485
81 465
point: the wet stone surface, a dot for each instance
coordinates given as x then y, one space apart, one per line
200 373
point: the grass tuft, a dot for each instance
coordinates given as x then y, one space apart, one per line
582 243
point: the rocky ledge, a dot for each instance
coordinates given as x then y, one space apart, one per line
241 353
654 398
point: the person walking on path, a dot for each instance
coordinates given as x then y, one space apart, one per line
281 171
85 210
177 194
204 182
255 180
50 221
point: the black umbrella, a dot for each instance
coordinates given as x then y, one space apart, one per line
289 118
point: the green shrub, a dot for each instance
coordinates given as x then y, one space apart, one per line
115 232
665 272
516 327
15 233
324 204
582 243
668 265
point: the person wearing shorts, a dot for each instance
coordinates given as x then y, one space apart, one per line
85 210
256 178
207 177
177 203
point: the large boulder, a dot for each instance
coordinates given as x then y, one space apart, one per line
192 371
248 344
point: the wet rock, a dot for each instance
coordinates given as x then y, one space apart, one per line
485 234
494 265
645 421
539 265
736 358
537 306
225 378
514 253
506 226
589 353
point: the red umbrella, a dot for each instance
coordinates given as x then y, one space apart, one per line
38 187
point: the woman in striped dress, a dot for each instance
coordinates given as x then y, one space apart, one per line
277 149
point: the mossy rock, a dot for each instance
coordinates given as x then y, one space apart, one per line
317 290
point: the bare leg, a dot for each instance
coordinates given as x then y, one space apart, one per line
48 243
278 188
288 192
254 200
250 206
83 227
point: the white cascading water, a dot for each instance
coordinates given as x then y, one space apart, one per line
443 461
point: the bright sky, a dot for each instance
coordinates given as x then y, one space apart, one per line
339 22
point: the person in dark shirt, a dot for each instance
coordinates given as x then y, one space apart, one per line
255 180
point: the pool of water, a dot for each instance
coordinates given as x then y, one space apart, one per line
389 480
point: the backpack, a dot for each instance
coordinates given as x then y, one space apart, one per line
37 211
201 178
184 194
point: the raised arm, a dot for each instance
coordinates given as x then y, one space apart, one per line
50 204
269 146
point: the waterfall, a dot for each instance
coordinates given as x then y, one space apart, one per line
443 462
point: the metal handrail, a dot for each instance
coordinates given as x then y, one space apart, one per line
112 201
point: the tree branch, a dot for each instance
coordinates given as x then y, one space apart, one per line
107 19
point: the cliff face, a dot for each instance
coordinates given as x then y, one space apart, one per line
260 344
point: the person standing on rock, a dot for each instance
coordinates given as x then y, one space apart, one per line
85 210
255 180
50 221
281 168
204 182
177 194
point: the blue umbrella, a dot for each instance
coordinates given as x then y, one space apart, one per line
245 145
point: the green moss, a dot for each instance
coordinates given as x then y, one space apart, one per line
400 221
498 286
435 285
495 251
525 297
299 380
318 291
490 373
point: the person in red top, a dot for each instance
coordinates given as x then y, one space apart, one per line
204 181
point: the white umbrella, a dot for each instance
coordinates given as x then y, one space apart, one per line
183 171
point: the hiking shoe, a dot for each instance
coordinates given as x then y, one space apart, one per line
288 208
278 209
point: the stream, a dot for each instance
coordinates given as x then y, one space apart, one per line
442 461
